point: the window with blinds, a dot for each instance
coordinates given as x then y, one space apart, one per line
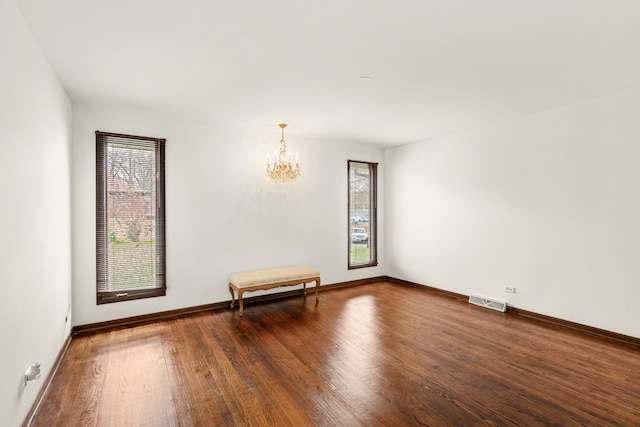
362 215
130 221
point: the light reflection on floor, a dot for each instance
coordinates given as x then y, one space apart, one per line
353 368
133 377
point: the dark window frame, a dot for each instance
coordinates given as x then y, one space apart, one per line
103 294
373 216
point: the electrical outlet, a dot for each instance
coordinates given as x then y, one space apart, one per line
510 289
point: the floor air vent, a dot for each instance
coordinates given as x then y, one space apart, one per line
488 303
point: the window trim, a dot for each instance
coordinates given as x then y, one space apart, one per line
373 216
104 296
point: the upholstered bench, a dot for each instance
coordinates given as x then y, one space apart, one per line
272 278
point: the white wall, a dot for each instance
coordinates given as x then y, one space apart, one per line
35 233
549 203
222 213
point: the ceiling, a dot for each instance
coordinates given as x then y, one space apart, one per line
436 66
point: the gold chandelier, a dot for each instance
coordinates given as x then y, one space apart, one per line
283 167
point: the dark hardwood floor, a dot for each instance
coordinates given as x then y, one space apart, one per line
377 354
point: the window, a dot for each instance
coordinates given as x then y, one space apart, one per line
130 223
362 214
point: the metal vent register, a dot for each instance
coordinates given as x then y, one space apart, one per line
488 303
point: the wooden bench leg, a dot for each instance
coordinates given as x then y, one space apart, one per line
233 298
304 287
240 292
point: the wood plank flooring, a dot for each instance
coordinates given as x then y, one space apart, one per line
377 354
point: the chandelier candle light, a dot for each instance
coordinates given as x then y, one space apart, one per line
283 167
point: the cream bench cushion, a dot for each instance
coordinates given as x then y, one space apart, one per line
271 278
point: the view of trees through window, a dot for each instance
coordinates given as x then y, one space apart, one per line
131 217
129 252
362 214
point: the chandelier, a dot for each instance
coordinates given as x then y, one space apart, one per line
283 167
